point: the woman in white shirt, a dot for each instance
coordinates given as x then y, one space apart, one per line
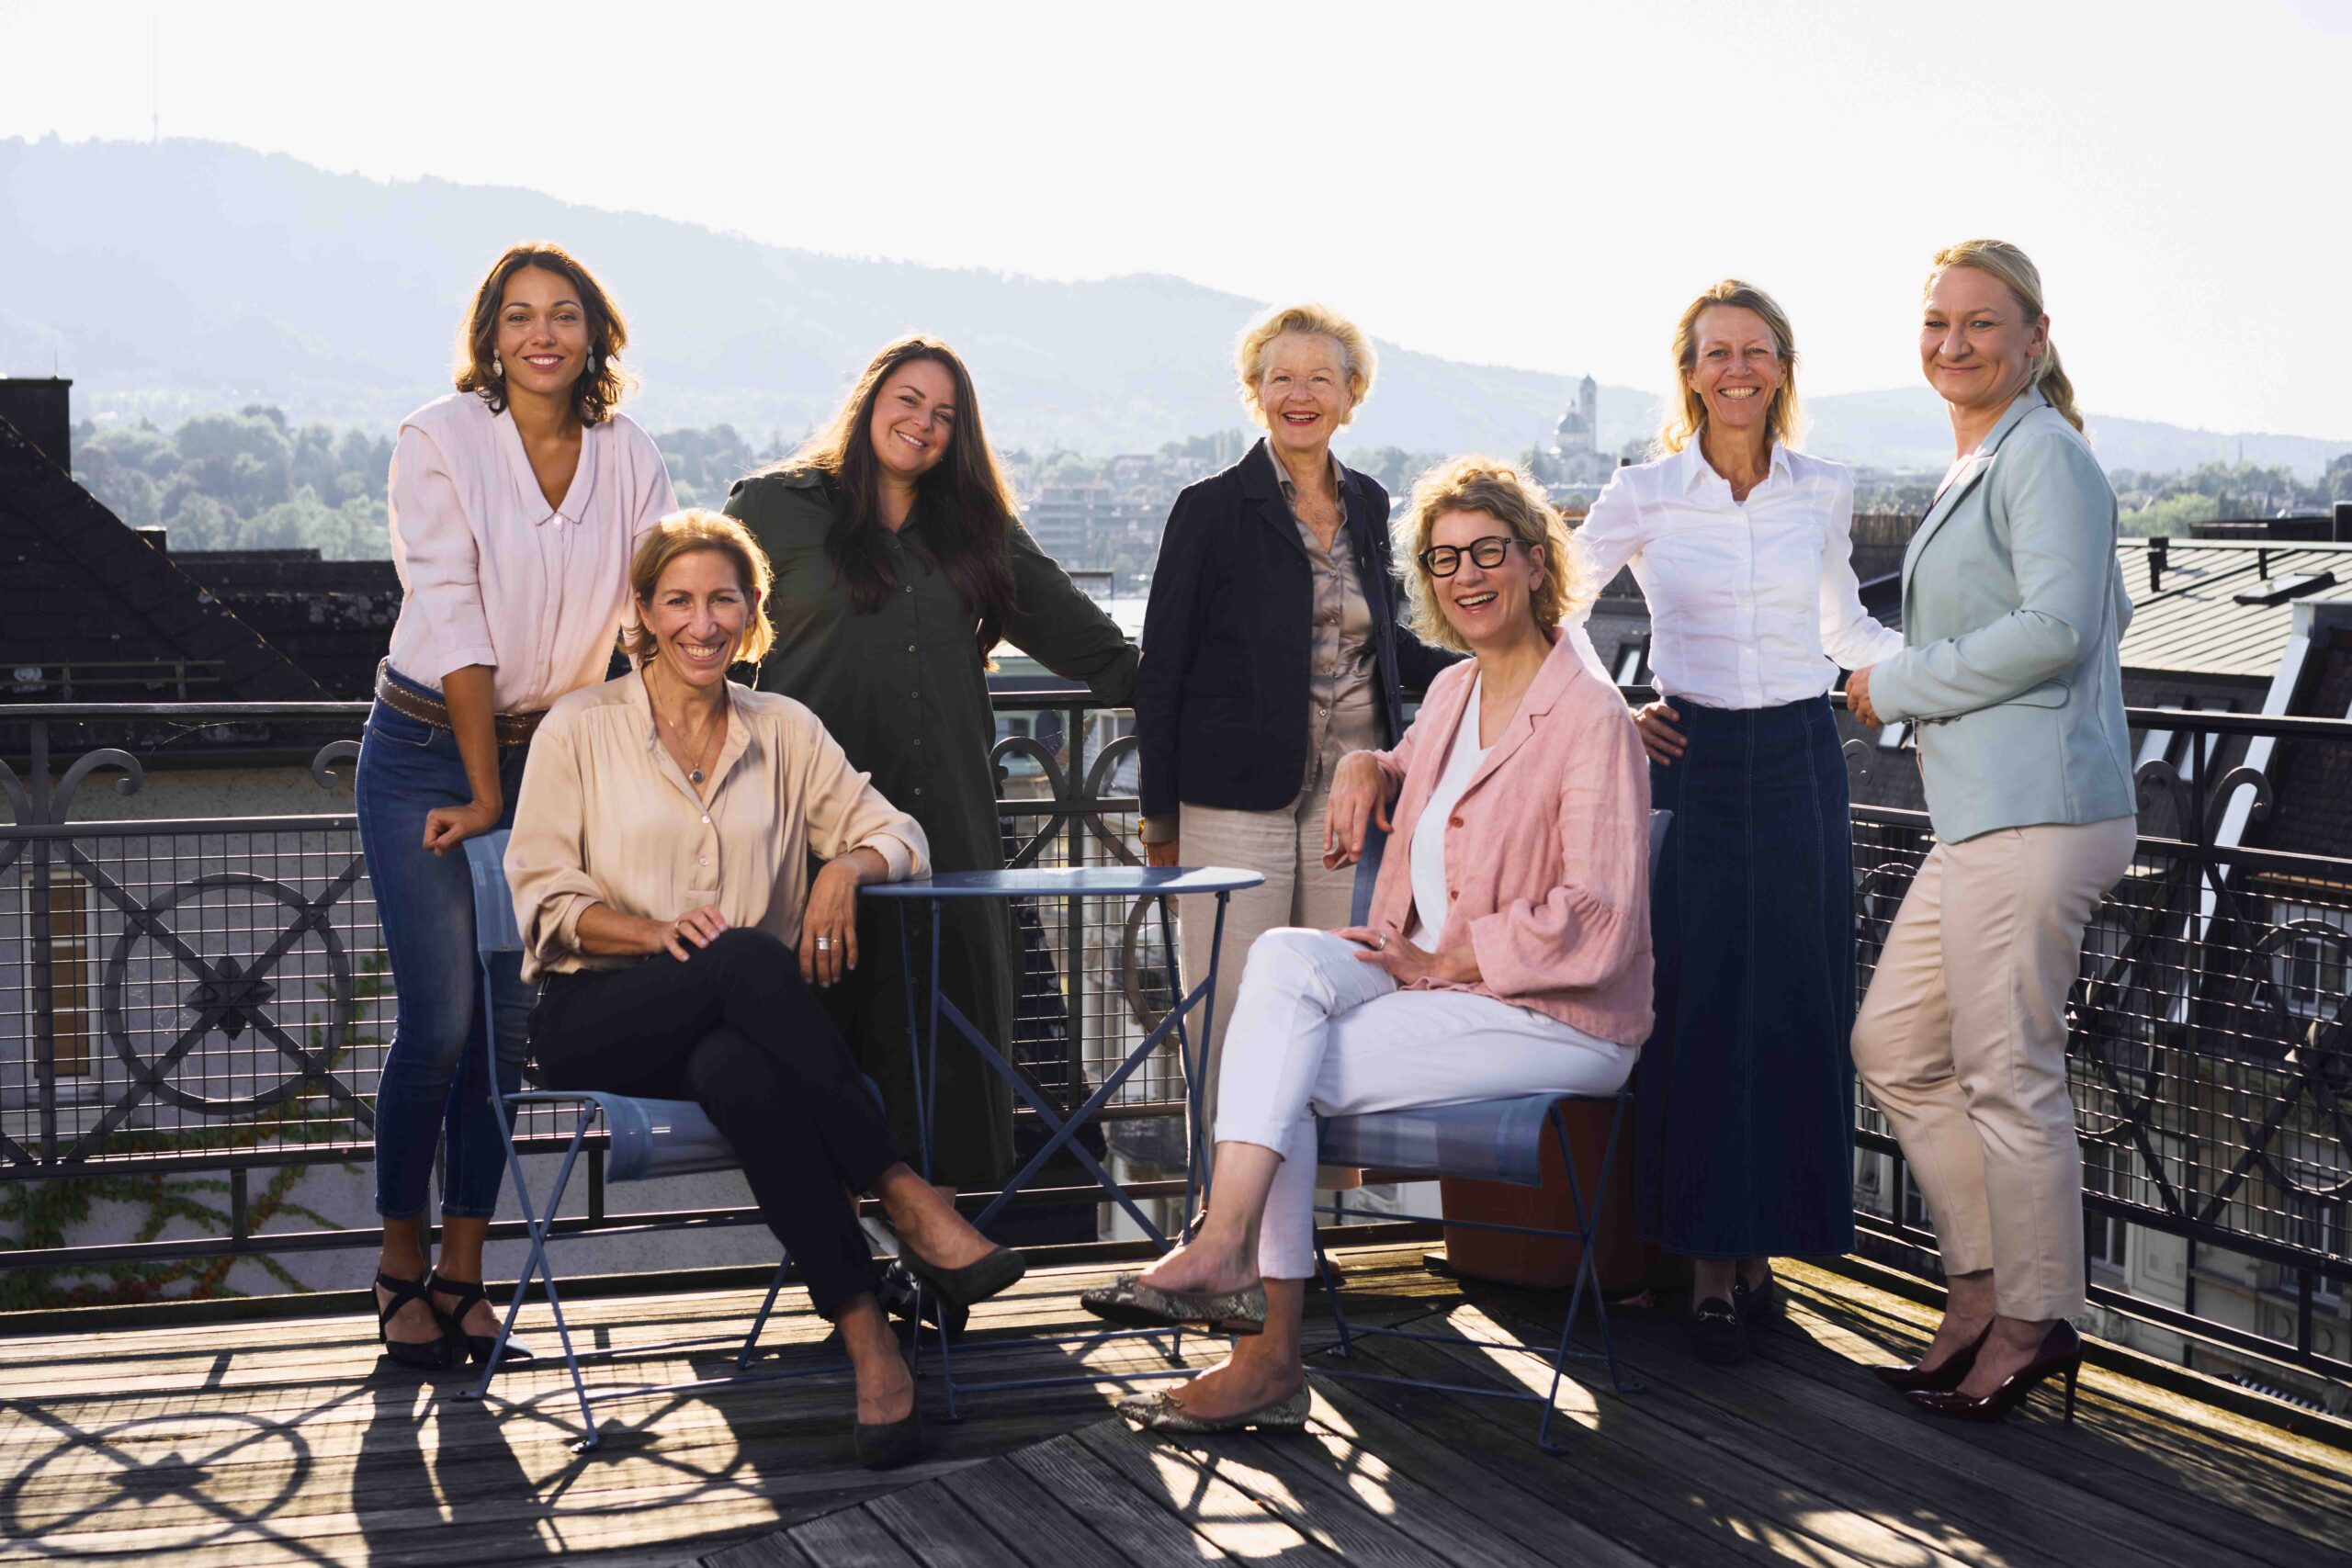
515 502
1744 1096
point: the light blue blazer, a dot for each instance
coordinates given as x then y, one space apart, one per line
2013 608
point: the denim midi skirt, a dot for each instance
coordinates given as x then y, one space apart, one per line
1745 1091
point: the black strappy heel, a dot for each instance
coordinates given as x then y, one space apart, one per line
435 1355
479 1346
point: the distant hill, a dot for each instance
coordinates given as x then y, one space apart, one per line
1907 429
192 277
195 277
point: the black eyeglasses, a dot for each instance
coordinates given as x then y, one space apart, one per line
1444 560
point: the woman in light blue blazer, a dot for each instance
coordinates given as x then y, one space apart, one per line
2013 606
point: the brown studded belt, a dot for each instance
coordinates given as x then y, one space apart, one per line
513 728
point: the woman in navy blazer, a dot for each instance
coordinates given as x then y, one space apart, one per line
1272 647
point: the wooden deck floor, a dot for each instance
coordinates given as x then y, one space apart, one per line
288 1443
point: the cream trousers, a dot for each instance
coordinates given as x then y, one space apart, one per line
1286 848
1319 1031
1961 1040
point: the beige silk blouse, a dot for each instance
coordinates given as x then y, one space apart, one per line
607 817
1342 714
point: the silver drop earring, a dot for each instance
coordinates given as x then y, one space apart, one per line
498 367
591 362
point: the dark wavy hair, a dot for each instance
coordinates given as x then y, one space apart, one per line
964 503
599 389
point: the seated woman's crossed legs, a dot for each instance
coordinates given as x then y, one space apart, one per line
1319 1030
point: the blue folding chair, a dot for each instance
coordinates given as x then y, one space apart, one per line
1487 1140
645 1138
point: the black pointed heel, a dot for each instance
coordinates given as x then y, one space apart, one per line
435 1355
1942 1378
973 1283
2062 1351
477 1346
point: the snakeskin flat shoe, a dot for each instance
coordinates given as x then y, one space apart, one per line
1159 1412
1127 1300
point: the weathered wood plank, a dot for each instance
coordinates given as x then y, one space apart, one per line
1620 1459
1142 1532
1862 1448
1466 1500
760 1552
1010 1502
940 1532
851 1539
1229 1518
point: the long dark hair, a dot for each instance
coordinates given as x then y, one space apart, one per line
599 387
966 504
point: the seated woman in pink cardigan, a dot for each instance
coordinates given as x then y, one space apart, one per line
1508 948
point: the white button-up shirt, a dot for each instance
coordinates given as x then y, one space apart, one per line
1752 604
493 574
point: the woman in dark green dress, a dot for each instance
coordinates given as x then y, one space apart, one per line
900 565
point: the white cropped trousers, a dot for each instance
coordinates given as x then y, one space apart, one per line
1317 1030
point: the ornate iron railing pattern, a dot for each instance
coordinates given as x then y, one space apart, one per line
208 995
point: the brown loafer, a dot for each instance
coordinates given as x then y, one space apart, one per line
1160 1412
1127 1300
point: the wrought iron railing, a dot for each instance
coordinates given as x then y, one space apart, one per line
2211 1067
197 1006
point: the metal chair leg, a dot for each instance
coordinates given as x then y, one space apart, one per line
760 1319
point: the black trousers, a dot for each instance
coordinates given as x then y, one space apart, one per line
737 1030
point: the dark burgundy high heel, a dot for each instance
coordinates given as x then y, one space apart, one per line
2062 1351
1951 1373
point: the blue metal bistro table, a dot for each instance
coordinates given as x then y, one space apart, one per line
1157 883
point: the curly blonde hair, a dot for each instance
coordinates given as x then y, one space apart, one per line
1495 489
1355 351
682 534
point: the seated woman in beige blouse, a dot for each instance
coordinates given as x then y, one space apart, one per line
660 867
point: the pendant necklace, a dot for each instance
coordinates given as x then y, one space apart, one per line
695 771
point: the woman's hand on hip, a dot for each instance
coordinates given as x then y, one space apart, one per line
1665 743
700 926
1359 799
446 826
829 926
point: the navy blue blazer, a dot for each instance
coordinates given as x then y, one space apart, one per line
1221 697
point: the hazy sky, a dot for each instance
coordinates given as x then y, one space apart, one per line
1539 185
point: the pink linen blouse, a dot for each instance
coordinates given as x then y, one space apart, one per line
1546 853
491 574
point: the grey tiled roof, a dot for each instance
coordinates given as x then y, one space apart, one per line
2191 624
78 585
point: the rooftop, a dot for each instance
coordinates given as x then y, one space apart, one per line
252 1443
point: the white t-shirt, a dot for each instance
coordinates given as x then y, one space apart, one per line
1429 834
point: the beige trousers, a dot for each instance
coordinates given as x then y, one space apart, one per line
1963 1043
1286 848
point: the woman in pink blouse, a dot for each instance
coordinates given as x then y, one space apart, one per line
1508 948
516 503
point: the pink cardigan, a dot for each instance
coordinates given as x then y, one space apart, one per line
1547 854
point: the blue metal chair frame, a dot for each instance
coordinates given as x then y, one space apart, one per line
1494 1140
1160 884
649 1137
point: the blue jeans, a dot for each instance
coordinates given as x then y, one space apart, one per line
425 906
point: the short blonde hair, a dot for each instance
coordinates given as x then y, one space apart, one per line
1498 490
2014 270
1321 321
682 534
1687 414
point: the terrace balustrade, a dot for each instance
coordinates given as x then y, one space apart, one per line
194 1009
